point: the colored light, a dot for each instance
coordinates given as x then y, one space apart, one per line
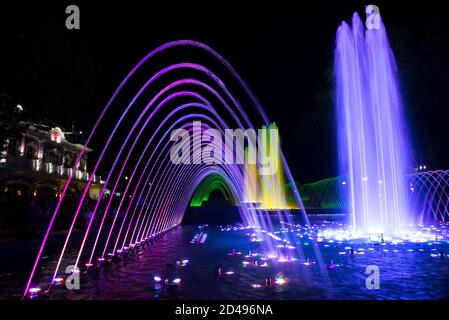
58 280
371 130
177 280
281 281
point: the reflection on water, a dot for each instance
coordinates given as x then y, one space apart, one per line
211 264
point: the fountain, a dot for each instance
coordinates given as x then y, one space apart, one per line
373 144
158 190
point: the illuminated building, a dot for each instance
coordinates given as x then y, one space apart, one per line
36 158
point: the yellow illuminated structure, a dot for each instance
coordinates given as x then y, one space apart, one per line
267 190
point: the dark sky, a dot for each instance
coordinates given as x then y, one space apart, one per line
284 52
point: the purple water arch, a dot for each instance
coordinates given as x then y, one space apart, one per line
133 173
165 169
171 183
173 67
168 144
183 170
213 91
193 116
431 194
160 73
188 81
147 179
216 94
108 105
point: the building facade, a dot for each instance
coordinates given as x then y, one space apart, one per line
36 159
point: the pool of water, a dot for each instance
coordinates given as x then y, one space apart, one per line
416 269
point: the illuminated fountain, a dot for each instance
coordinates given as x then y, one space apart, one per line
373 144
211 183
429 194
157 191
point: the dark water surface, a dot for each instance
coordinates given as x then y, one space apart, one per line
407 270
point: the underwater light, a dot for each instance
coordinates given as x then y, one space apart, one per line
177 280
332 265
280 280
308 262
88 265
35 290
229 272
182 263
58 280
157 278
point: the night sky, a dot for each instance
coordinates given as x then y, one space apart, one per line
285 53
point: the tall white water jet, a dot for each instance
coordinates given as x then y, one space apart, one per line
373 144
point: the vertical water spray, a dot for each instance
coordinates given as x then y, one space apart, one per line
373 144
